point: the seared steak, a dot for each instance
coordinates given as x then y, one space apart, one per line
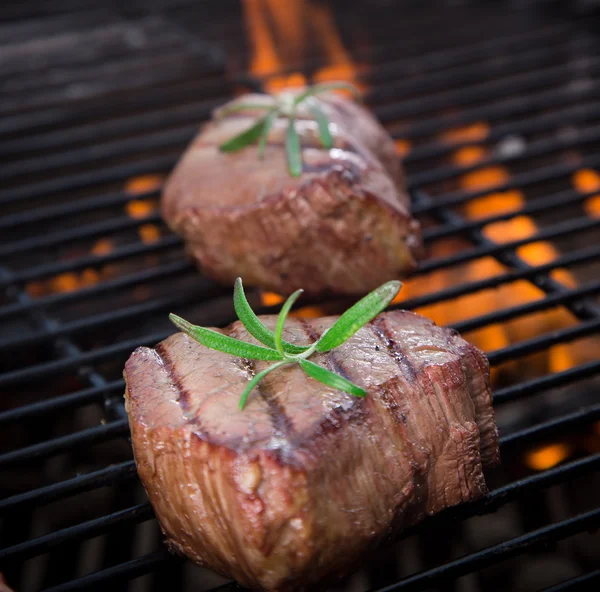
300 484
343 226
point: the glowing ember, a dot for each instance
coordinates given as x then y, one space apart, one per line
586 181
149 233
475 132
403 147
143 184
547 457
138 208
102 247
271 299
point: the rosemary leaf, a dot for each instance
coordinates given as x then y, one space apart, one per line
248 136
323 124
253 324
358 315
255 380
292 149
224 343
330 378
285 309
264 136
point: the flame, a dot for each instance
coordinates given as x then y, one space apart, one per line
279 34
403 147
586 181
560 357
271 299
143 184
546 457
475 132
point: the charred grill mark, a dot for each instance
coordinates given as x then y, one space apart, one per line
281 423
382 331
184 396
333 364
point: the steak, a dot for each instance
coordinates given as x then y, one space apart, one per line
343 226
297 486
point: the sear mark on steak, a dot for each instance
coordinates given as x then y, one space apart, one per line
343 226
294 489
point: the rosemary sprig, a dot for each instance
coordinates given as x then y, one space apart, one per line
282 352
284 107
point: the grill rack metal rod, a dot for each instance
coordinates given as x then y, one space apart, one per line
106 318
92 133
63 489
519 181
541 342
57 239
79 398
171 138
500 552
72 208
552 428
160 272
470 75
117 173
580 583
548 381
535 149
62 443
547 123
560 229
50 269
127 570
61 117
569 197
480 93
83 530
500 108
498 316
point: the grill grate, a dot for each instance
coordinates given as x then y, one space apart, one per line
519 90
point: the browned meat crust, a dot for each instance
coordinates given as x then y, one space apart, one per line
297 486
344 226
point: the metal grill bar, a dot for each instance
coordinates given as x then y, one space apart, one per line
557 200
50 269
133 279
532 387
536 149
129 569
581 583
499 316
499 552
76 399
553 428
81 531
495 109
518 181
581 112
79 484
68 442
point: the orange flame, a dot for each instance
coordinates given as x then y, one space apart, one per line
279 34
586 181
546 457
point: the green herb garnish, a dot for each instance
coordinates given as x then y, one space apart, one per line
282 352
285 106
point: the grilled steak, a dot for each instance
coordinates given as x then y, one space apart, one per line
300 484
343 226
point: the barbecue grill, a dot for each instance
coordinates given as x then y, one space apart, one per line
496 111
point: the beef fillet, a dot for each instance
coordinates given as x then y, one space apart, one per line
343 226
295 488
